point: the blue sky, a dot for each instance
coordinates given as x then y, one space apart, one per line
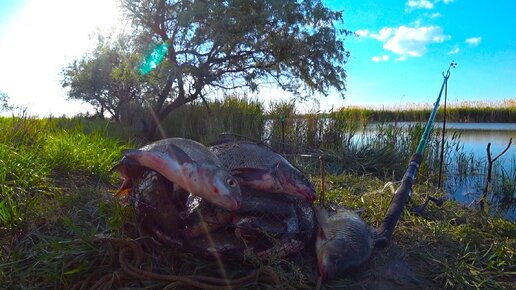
397 60
405 45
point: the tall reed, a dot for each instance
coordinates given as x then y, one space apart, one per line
503 112
238 115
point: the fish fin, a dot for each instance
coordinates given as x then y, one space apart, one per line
249 173
122 192
178 154
152 157
359 210
125 188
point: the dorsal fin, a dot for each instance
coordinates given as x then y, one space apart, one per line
176 153
179 154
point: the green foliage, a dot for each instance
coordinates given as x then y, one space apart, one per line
103 127
237 115
450 247
107 78
209 46
283 125
24 175
4 102
475 112
296 43
34 154
54 211
73 152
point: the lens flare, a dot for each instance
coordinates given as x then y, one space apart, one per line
153 59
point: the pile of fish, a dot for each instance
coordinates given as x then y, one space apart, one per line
235 199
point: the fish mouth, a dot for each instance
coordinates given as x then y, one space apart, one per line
306 193
228 204
299 188
307 190
235 205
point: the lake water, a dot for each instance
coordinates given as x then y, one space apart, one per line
465 180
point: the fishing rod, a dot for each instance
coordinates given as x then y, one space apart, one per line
404 191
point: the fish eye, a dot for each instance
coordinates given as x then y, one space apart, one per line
231 182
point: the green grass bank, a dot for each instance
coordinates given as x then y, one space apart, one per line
59 223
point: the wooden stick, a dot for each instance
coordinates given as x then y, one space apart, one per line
490 162
322 198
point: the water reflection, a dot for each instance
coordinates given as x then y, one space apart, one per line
466 165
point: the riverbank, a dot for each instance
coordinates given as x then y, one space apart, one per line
60 225
464 112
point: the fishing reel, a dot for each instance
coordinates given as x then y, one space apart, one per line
419 209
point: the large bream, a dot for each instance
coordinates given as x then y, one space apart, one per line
258 167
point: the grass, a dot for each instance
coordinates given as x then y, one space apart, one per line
60 226
451 247
196 121
38 159
476 112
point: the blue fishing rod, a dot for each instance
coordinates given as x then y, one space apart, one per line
404 191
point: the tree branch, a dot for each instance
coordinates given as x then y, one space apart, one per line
505 150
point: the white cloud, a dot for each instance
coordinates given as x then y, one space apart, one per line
435 15
401 58
380 58
362 32
448 1
455 50
409 41
420 4
474 41
383 34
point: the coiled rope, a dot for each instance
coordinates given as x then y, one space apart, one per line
130 260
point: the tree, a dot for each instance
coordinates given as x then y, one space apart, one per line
232 44
4 103
107 78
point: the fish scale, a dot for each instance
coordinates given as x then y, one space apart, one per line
258 167
186 163
195 150
246 155
344 241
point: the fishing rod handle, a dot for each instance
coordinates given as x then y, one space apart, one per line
400 199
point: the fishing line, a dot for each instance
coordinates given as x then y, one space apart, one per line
441 158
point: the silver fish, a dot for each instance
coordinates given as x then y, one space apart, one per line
343 241
186 163
260 168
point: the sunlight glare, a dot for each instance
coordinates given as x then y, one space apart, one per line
44 38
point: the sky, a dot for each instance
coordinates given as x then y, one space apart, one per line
397 58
